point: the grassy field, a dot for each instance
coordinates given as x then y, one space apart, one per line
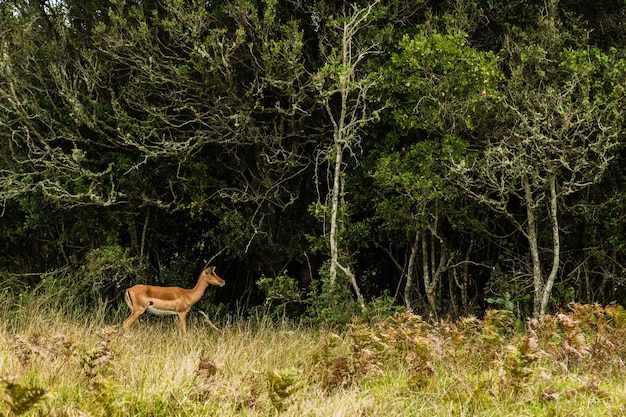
569 364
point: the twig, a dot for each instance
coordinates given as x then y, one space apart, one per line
214 256
213 326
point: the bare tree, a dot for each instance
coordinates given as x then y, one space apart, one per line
342 89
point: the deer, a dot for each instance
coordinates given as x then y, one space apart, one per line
168 300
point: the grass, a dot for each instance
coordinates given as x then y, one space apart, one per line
567 364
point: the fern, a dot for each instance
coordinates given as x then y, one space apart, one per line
281 385
19 398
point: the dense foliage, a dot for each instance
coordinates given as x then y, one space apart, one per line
446 156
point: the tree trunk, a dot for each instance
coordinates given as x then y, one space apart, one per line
556 248
408 288
463 284
334 250
454 305
144 234
334 228
428 284
531 235
355 286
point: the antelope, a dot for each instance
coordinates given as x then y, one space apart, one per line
168 300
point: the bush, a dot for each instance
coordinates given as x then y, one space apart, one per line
324 303
107 271
281 292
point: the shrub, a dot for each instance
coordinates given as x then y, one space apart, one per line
282 385
20 398
101 279
403 338
281 292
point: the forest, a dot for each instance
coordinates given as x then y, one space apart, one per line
329 158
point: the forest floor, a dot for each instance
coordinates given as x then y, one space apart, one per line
568 364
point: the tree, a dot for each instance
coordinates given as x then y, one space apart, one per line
189 121
558 131
342 90
437 85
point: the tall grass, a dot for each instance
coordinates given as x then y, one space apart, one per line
67 364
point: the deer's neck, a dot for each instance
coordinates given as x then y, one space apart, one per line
197 292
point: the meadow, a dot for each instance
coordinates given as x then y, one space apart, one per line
56 363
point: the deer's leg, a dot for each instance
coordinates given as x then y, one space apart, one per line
134 315
182 322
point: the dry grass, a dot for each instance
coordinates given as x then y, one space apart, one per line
567 364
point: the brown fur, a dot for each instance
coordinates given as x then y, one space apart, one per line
168 300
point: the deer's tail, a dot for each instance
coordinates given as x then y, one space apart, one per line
128 299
